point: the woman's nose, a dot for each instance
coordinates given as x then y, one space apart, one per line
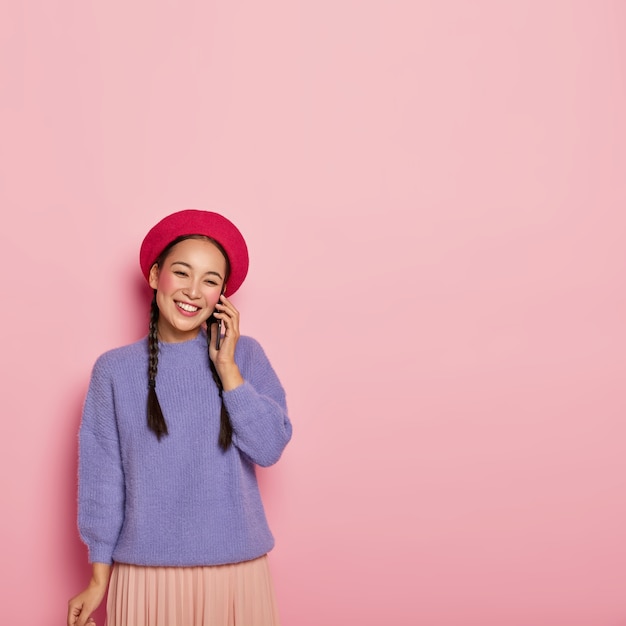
192 290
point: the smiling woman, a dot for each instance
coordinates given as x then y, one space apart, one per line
169 507
188 279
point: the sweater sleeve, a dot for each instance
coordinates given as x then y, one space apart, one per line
100 474
258 409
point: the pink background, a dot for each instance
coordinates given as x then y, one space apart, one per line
433 195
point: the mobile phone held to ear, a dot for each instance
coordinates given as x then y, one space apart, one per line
213 320
218 339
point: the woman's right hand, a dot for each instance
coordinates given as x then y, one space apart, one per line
86 602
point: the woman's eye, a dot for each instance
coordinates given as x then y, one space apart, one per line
179 273
210 282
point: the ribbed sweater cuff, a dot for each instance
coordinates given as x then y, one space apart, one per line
100 554
240 399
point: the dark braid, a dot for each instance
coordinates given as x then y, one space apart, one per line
226 428
156 421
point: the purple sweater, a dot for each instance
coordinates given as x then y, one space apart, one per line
181 501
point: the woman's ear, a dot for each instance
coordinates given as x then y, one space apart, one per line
153 277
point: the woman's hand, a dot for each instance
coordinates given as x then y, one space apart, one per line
224 358
85 603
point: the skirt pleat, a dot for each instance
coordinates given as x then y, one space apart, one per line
238 594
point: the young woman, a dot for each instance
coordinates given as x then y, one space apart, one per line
172 429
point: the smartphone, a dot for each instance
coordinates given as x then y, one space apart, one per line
213 320
218 339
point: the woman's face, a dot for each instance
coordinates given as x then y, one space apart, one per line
188 285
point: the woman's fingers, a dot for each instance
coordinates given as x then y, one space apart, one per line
225 311
228 315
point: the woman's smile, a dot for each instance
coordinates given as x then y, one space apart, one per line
187 308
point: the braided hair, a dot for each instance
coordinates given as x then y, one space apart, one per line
226 429
156 420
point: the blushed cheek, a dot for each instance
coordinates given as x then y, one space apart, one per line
166 282
212 300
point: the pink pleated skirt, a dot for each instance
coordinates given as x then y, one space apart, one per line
240 594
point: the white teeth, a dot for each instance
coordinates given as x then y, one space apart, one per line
187 307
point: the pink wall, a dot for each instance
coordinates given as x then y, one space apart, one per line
434 198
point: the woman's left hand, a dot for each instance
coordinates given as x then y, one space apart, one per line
224 358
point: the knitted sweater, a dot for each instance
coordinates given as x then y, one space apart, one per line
181 501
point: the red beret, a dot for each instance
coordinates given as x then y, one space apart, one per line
194 222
